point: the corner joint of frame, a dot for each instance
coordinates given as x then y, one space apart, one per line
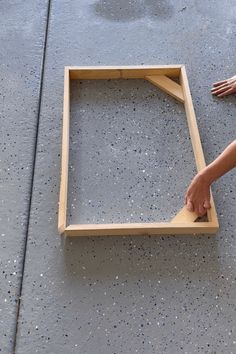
67 70
61 229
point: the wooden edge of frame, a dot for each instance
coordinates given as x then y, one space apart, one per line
122 72
140 229
195 137
183 222
169 86
65 154
212 214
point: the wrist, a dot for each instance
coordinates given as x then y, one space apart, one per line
206 176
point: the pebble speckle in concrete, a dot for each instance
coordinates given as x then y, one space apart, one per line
132 294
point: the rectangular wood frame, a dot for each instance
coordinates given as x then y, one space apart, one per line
161 76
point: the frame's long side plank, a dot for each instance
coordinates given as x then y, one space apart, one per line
192 122
139 229
65 154
122 72
195 137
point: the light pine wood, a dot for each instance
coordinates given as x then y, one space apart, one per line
192 122
65 155
140 229
141 73
167 85
122 72
184 216
90 74
195 138
212 214
183 222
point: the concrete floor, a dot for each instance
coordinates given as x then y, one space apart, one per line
111 295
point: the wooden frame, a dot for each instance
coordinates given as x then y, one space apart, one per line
161 76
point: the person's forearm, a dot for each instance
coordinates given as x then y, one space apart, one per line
225 162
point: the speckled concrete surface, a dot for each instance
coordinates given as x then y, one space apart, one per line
133 294
124 166
22 28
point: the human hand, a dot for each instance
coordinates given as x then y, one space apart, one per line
197 197
225 87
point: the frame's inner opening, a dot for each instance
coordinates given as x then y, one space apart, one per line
131 157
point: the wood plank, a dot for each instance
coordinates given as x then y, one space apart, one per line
184 216
124 72
65 155
195 138
90 74
141 73
167 85
140 229
212 214
192 122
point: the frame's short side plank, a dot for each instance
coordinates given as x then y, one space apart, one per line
122 72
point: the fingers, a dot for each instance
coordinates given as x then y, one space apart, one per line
207 204
201 210
219 83
220 89
189 206
220 86
225 87
227 92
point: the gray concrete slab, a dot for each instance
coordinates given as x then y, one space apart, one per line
133 294
22 29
